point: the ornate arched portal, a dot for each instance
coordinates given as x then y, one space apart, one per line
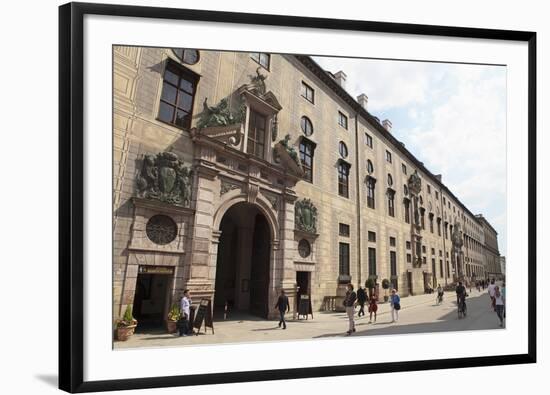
245 257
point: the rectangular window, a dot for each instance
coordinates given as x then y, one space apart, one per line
256 134
409 258
372 261
433 251
306 157
393 263
343 179
372 236
439 227
444 200
436 195
408 244
423 260
441 268
368 140
404 168
392 242
344 259
388 156
406 205
308 93
431 223
343 230
342 120
448 269
429 188
423 249
263 59
440 253
178 94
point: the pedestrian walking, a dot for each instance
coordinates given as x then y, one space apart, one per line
395 305
491 292
361 300
373 307
185 309
349 304
283 306
439 294
499 305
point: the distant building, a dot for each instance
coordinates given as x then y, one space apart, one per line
240 174
490 248
503 265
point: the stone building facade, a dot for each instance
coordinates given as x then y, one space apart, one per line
490 248
237 175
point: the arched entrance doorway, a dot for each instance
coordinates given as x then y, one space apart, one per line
242 267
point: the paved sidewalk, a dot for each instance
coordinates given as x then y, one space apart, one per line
418 314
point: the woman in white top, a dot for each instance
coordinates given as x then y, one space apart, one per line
499 305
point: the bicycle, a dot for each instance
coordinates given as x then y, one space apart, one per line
462 309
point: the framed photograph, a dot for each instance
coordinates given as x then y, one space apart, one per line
307 186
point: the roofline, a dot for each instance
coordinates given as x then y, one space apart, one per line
480 217
343 94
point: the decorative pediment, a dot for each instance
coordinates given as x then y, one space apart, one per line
165 178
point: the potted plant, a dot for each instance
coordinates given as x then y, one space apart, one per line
125 327
370 284
385 285
174 316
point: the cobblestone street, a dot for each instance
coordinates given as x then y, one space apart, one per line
419 314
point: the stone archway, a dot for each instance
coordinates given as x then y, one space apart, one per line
244 260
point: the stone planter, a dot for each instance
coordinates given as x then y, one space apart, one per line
171 326
123 333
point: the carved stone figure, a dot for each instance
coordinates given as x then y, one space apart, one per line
305 216
257 83
456 237
165 178
415 183
290 149
221 114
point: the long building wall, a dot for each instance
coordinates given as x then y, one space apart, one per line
138 80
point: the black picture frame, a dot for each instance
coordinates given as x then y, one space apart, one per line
71 198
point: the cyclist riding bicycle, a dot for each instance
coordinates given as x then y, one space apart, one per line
461 296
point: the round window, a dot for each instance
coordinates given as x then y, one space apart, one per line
304 248
370 167
307 126
188 56
343 150
161 229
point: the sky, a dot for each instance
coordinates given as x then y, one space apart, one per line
452 117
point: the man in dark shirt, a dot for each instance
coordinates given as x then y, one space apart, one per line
361 299
460 293
283 306
349 304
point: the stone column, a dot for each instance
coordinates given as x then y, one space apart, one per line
202 271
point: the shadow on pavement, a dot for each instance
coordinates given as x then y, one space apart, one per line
446 323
